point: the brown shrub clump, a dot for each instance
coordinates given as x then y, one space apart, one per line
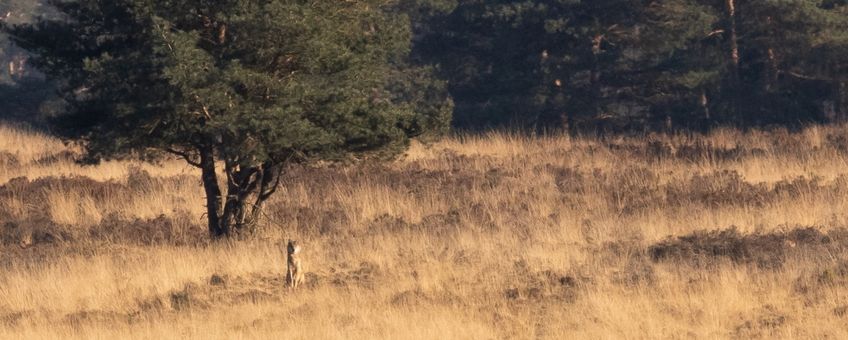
767 250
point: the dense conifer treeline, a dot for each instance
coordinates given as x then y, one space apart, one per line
612 64
593 65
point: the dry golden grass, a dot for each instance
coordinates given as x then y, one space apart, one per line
475 237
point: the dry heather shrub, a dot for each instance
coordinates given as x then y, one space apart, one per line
8 160
813 283
547 284
62 157
72 208
84 201
28 145
33 232
13 208
178 229
694 150
568 180
766 250
766 324
140 181
699 151
716 189
801 186
838 140
632 189
71 201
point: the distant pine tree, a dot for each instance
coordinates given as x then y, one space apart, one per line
25 94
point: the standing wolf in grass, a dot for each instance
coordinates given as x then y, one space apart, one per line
294 270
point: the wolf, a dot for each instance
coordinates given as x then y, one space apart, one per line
294 268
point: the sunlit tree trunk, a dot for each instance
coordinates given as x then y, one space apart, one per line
733 36
734 57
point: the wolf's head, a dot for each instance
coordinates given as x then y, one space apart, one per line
292 248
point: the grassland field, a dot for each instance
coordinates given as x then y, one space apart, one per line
727 234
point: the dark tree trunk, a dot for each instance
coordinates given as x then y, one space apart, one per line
248 187
595 75
568 122
241 183
839 102
247 190
771 68
213 193
268 183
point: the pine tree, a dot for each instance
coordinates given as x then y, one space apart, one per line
247 85
676 73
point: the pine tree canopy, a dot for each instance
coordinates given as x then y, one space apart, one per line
249 84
